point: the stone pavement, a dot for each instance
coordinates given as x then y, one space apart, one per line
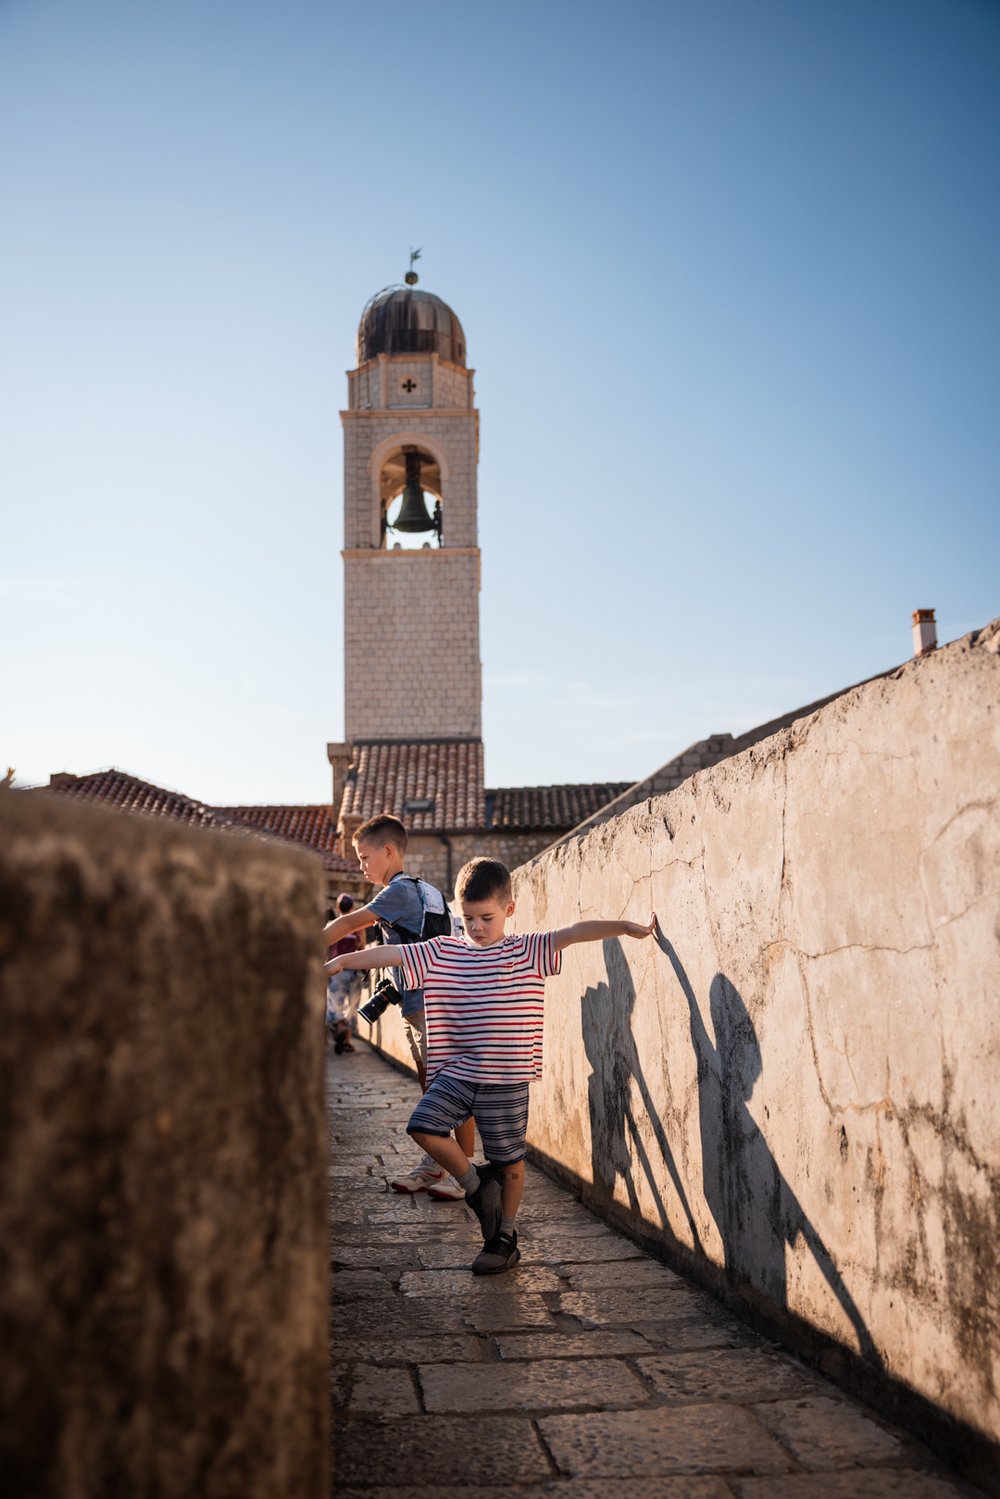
589 1371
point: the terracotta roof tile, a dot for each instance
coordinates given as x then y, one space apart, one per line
436 785
129 794
433 784
311 827
544 808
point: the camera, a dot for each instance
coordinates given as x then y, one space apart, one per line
386 994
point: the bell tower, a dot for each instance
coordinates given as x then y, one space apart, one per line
411 555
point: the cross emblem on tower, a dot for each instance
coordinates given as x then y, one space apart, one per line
409 385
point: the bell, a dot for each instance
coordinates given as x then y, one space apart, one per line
413 514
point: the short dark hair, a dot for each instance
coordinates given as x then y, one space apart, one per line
482 878
345 903
385 828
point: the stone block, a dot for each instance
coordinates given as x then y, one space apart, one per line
556 1384
456 1283
573 1345
163 1159
824 1433
884 1483
642 1443
740 1374
383 1392
507 1453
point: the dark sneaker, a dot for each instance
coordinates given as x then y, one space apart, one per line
499 1254
485 1201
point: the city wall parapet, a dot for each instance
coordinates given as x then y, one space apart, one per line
793 1094
163 1198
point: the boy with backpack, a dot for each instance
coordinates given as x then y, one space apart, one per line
484 993
407 910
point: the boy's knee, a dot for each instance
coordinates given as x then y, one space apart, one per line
511 1170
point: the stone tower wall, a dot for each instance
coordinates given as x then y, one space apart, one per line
427 604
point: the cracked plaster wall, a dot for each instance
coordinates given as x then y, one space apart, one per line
798 1086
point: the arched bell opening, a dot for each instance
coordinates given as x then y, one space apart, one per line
410 494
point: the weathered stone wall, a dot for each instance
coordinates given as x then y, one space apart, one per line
162 1208
795 1092
424 609
428 858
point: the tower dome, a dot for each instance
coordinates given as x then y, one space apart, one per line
403 320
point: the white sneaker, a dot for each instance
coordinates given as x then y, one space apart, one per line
425 1174
447 1190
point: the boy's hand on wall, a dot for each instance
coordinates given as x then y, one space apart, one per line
640 929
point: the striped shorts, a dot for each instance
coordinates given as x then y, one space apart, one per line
500 1111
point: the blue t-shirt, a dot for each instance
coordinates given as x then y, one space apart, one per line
399 905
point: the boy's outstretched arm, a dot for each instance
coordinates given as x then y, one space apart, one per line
342 926
596 931
386 956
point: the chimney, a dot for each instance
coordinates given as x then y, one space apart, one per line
61 779
924 632
339 756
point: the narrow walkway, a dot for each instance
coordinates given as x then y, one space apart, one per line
589 1371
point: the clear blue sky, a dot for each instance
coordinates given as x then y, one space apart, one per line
728 274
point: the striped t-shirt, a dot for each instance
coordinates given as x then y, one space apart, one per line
484 1005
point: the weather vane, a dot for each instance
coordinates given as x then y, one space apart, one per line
411 278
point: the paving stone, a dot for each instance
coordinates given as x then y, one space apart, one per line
826 1433
608 1307
357 1319
443 1254
628 1274
547 1218
464 1283
378 1256
738 1374
383 1392
642 1488
682 1487
397 1233
506 1451
586 1322
571 1344
874 1483
356 1181
557 1249
664 1439
428 1348
498 1313
344 1212
543 1385
417 1210
688 1332
340 1382
354 1285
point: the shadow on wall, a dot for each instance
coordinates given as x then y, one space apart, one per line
755 1210
615 1134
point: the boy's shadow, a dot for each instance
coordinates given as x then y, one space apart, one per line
615 1135
755 1210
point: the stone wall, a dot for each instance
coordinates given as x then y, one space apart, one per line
428 857
162 1209
794 1094
795 1091
422 609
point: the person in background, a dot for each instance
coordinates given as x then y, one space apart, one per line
343 990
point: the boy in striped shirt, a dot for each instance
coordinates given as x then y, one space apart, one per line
483 998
